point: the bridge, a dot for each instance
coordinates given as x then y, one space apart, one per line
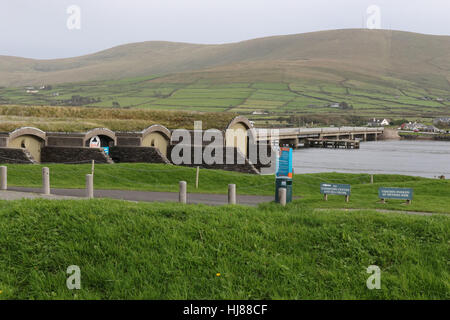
295 136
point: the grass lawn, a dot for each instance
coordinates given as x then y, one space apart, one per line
131 250
430 195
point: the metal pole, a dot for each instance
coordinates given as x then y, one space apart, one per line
45 180
231 194
183 190
90 186
4 178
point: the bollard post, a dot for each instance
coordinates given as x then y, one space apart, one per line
347 198
371 178
45 180
183 190
231 194
92 167
325 197
4 178
90 186
196 177
282 196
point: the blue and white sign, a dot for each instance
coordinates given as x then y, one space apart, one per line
395 193
106 150
284 165
336 189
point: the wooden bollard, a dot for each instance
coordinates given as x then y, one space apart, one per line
282 196
45 180
183 192
347 198
3 178
231 194
90 186
325 197
371 179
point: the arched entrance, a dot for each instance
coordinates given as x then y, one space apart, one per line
30 139
237 134
156 136
106 137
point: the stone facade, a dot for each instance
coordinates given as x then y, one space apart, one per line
153 145
14 155
73 155
137 154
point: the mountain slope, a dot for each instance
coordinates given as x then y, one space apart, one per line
338 55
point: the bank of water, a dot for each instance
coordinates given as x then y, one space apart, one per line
417 158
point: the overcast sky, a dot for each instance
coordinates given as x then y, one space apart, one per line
39 28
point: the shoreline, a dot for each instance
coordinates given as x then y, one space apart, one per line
425 137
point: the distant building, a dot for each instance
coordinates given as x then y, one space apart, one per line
413 126
442 120
431 129
378 122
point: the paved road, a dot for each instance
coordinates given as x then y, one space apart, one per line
209 199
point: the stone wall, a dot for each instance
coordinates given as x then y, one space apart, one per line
137 154
14 155
73 155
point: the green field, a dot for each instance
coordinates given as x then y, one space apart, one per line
301 98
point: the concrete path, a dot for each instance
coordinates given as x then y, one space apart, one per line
209 199
17 195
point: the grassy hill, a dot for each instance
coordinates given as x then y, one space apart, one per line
325 55
295 78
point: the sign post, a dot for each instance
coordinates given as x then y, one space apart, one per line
335 189
284 174
395 193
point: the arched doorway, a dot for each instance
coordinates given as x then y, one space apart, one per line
237 134
30 139
106 137
156 136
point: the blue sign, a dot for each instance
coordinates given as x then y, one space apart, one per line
395 193
106 150
284 165
337 189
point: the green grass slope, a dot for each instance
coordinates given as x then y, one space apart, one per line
430 195
171 251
